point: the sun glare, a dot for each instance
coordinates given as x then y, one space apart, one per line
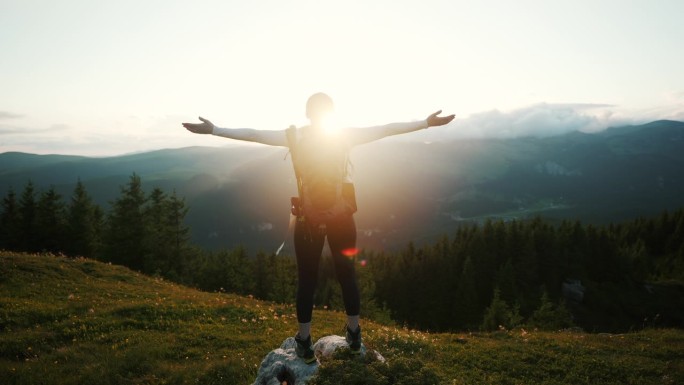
330 124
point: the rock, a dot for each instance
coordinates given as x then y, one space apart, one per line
282 364
573 290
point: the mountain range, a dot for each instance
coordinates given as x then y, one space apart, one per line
406 191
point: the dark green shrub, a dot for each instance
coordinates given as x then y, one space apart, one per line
550 316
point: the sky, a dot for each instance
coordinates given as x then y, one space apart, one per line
102 78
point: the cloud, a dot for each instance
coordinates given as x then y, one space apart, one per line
677 115
551 119
116 137
541 120
144 133
10 115
4 130
18 130
672 108
538 120
48 140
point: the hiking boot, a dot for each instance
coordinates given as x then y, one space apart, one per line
354 339
304 349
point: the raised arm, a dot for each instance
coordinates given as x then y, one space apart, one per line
369 134
269 137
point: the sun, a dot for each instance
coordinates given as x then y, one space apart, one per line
331 124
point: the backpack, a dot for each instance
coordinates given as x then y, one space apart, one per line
320 168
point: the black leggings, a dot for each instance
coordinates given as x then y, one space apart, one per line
309 243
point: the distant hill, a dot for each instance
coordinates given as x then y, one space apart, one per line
406 190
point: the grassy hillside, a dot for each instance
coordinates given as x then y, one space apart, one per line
77 321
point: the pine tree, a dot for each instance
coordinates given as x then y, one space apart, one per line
158 246
400 294
506 282
549 262
283 279
676 238
499 315
328 291
27 220
549 316
574 246
126 234
486 249
637 256
9 222
178 234
242 264
50 222
372 307
465 308
167 236
262 276
84 223
678 265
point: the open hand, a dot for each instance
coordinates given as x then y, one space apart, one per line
206 127
434 120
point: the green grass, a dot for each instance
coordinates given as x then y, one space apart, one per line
77 321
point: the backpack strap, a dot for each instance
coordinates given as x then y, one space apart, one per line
291 134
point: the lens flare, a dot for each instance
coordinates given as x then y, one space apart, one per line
350 252
330 124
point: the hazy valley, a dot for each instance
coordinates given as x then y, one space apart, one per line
405 190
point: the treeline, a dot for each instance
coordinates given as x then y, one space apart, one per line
143 232
498 274
510 273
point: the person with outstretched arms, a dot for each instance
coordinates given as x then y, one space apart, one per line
325 204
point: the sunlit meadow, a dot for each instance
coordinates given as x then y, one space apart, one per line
77 321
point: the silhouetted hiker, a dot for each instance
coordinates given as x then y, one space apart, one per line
325 205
